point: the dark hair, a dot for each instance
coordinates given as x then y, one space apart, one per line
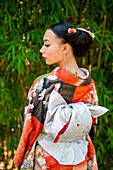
80 40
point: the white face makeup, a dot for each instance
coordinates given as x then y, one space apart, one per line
52 50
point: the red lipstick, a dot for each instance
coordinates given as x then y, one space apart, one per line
44 57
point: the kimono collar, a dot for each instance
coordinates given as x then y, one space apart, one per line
69 77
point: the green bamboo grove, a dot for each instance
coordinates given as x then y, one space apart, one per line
22 25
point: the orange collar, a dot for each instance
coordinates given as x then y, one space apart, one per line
67 77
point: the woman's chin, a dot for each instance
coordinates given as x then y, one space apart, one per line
49 63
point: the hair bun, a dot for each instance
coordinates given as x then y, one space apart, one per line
79 38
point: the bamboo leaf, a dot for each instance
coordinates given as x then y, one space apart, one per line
13 51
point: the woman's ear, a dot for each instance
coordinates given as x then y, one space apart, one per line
66 48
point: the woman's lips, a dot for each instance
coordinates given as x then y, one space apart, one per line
44 57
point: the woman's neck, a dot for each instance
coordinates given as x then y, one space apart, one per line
71 65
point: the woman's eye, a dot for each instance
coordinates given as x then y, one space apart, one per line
46 45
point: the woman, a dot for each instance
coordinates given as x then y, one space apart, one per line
59 110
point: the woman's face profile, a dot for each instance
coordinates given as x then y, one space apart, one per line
52 50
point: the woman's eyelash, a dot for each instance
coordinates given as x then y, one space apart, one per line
46 45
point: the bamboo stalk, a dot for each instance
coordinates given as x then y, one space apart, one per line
90 68
100 52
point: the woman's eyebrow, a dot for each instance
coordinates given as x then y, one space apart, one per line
46 40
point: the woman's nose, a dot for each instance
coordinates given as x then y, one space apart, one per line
41 50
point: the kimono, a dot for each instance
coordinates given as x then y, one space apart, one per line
57 123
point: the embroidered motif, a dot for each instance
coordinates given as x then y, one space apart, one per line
42 94
50 77
38 156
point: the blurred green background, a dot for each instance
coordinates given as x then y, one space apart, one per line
23 24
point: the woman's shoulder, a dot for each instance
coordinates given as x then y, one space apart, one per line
39 78
52 73
37 83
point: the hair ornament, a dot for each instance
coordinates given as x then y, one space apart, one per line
90 33
87 28
71 30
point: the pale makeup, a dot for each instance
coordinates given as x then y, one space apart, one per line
52 50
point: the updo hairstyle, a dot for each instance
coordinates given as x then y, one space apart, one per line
80 40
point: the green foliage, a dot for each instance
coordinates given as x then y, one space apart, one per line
103 142
23 23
